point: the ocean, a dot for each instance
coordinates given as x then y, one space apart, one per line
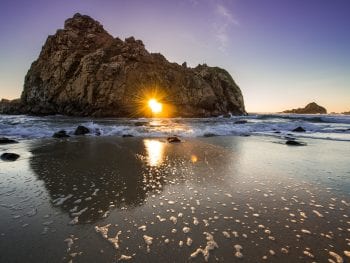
327 127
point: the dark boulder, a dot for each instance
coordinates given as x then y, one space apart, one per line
141 123
81 130
173 139
97 132
295 143
127 135
209 134
5 140
241 122
299 129
9 157
60 134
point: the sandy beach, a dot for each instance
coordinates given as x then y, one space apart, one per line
105 199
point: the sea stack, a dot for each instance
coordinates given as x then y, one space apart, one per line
84 71
311 108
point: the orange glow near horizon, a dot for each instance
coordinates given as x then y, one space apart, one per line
194 158
155 106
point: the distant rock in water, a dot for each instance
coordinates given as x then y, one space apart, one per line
299 129
60 134
241 122
84 71
311 108
346 113
81 130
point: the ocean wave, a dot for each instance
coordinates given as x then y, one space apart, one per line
317 118
318 127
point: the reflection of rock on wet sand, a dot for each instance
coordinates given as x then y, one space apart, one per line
90 176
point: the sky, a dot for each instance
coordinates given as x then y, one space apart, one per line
283 54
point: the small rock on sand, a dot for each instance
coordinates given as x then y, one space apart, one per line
9 157
173 139
4 140
295 143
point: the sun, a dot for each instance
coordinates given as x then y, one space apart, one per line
155 106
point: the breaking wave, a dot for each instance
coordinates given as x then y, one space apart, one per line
331 127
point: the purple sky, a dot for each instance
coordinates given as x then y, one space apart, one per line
282 53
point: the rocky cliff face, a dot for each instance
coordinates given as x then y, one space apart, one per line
82 70
311 108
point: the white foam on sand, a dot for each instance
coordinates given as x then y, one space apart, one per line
186 229
148 240
161 219
115 240
226 234
69 242
345 203
338 258
211 245
173 219
74 221
308 253
303 214
317 213
238 253
124 258
61 200
189 241
103 230
143 228
305 231
80 212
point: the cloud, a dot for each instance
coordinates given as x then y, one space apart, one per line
221 19
226 14
225 20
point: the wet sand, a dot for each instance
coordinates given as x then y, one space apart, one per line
220 199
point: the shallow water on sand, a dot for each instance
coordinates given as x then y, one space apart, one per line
144 200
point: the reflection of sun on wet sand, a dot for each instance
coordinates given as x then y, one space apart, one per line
155 151
144 199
